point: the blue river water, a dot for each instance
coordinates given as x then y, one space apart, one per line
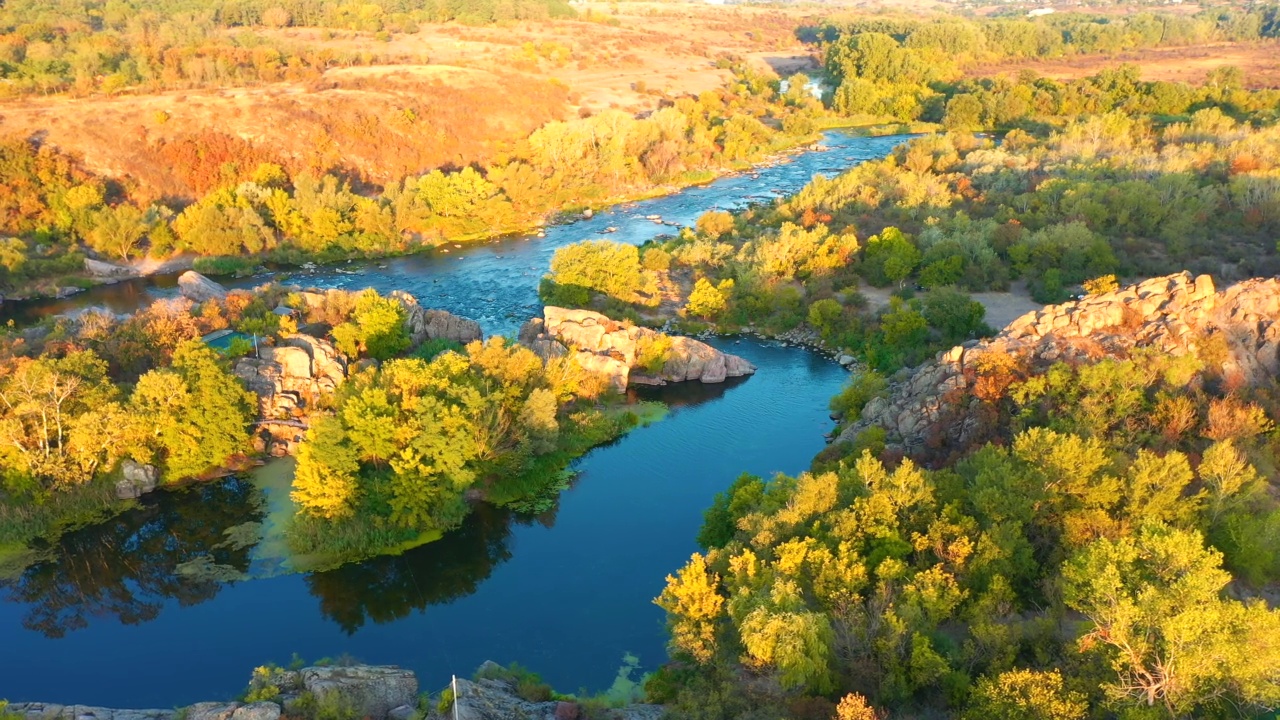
111 621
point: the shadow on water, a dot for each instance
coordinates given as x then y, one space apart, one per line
186 544
126 569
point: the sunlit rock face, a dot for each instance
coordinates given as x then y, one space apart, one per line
1174 315
616 350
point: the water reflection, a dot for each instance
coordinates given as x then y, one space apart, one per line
174 547
389 588
186 544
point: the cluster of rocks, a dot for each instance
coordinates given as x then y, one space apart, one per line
427 324
377 692
373 692
136 479
613 350
495 699
1173 315
293 374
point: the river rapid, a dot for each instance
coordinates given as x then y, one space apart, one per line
122 615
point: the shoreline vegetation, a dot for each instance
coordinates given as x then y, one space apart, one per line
1081 527
107 271
406 429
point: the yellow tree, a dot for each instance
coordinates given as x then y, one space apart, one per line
693 608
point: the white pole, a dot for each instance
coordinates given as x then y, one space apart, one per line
455 697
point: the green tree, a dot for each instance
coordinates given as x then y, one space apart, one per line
954 314
889 257
325 483
708 301
201 412
606 267
1156 603
376 328
1025 695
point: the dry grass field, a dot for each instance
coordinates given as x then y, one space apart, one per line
1259 61
455 95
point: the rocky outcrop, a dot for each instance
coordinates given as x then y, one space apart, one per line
106 270
491 699
136 480
374 692
292 375
427 324
198 288
615 350
369 690
51 711
1176 315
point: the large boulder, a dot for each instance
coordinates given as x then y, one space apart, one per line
368 690
98 268
427 324
232 711
136 479
614 349
198 288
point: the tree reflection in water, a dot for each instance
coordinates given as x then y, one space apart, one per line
127 567
388 588
183 545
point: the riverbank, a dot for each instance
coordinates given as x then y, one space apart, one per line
508 586
98 271
376 692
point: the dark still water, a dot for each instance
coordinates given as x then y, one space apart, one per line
114 621
157 608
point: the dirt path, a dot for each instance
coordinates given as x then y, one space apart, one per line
1002 307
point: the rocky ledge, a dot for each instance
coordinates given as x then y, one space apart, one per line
1176 314
373 692
616 350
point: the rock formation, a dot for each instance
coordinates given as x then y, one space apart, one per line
497 700
110 271
613 349
427 324
368 691
293 374
1174 314
198 288
136 480
374 692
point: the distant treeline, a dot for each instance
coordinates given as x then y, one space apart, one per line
1058 34
51 209
109 45
911 69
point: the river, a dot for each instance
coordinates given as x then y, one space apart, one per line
113 618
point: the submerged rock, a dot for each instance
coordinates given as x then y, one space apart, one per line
198 288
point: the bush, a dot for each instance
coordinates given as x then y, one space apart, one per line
225 265
570 296
607 267
652 354
860 390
